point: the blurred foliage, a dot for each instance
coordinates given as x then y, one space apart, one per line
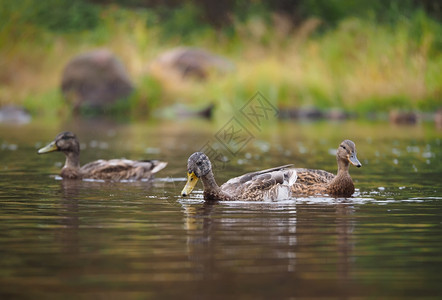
220 13
55 15
354 55
184 16
183 21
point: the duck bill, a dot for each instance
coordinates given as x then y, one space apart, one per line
49 148
191 182
354 160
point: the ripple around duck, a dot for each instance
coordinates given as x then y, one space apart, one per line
358 198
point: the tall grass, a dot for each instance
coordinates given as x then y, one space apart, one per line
360 65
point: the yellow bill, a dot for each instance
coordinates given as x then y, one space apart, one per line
49 148
191 182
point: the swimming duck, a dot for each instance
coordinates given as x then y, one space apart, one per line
266 185
114 169
319 182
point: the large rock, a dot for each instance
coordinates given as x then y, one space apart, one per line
190 62
95 79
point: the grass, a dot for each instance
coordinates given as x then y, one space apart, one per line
359 66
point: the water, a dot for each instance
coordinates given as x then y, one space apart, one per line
78 239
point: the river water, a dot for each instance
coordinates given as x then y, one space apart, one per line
140 240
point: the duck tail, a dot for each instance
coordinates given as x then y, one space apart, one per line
158 166
293 177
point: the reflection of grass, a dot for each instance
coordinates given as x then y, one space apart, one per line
358 66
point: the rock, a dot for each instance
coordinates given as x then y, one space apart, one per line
12 114
338 115
190 63
313 113
205 113
309 113
95 79
402 117
438 118
181 111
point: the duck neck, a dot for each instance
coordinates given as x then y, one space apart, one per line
72 160
211 189
342 167
342 185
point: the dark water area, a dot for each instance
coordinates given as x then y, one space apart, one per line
141 240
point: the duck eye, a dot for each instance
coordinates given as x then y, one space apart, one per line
343 147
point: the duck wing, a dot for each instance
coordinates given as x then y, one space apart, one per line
265 184
311 182
122 169
312 176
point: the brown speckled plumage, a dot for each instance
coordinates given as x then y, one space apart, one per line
266 185
113 170
318 182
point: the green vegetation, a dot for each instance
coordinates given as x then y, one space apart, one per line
358 57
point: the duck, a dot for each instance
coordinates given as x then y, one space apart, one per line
109 170
266 185
319 182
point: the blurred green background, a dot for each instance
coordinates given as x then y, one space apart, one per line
357 56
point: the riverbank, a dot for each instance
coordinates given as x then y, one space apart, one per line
358 66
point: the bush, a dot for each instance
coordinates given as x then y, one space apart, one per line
54 15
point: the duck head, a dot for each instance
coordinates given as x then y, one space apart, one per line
347 153
65 142
198 165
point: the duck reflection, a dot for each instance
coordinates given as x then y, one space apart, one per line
81 198
304 242
67 234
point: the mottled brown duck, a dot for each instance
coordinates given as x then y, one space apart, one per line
113 170
266 185
319 182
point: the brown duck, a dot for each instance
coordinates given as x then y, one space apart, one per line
114 169
266 185
319 182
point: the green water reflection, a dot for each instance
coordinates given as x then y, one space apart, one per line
138 240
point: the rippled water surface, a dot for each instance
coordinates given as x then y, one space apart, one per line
138 240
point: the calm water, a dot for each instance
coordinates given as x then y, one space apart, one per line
139 240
